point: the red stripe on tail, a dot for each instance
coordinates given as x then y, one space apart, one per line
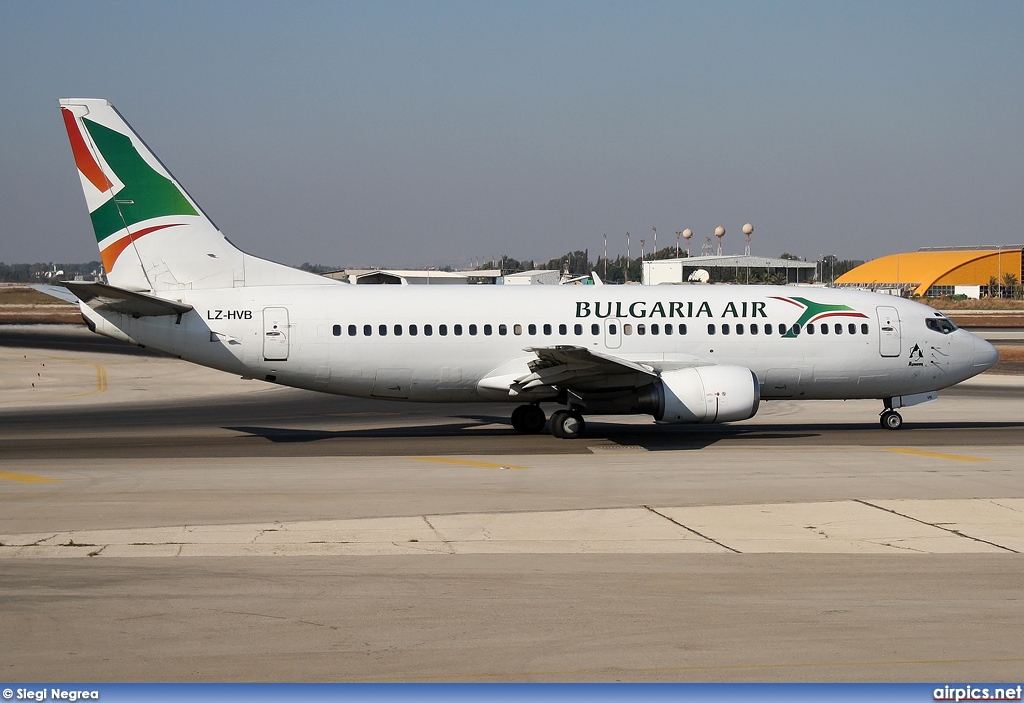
83 157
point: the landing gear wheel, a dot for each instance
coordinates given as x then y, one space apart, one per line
891 420
567 424
528 419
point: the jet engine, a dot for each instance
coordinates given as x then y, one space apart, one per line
706 394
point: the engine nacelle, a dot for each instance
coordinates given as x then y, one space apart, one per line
707 394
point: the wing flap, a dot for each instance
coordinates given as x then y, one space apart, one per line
572 367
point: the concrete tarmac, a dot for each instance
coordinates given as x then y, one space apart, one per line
159 521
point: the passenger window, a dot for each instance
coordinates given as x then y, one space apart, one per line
668 329
413 330
852 328
442 330
753 328
532 329
487 330
517 329
382 330
547 329
472 330
627 329
810 329
864 329
595 329
502 329
725 328
577 329
351 330
613 328
337 330
824 328
428 330
796 329
682 328
641 329
367 330
739 328
711 329
782 330
458 330
562 329
398 330
839 328
654 329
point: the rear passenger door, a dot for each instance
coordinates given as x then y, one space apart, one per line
275 334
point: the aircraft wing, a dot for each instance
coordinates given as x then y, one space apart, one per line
579 368
101 296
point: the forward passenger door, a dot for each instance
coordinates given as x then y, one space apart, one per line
889 336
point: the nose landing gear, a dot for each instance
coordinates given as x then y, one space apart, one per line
890 419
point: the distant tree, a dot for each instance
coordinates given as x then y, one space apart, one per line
790 257
39 272
831 267
993 287
666 253
317 268
1011 285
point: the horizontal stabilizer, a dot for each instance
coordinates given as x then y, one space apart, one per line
59 292
100 296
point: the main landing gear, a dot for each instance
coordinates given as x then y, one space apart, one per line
528 419
565 424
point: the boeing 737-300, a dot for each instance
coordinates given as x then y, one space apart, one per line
682 354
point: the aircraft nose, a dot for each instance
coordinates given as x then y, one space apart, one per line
985 355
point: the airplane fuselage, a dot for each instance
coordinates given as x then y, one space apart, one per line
438 343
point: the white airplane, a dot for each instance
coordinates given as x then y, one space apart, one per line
683 354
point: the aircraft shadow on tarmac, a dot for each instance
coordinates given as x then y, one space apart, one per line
652 437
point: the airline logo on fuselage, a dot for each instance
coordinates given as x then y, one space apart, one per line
812 311
674 308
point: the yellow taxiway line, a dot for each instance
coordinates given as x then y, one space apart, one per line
936 455
26 478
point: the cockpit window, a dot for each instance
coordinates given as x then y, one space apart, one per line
940 323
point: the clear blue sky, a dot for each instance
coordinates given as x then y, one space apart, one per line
424 133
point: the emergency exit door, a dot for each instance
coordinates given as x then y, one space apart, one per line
275 334
612 333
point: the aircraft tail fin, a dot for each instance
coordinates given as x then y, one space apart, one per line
151 234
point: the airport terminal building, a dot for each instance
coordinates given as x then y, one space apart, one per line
738 268
974 271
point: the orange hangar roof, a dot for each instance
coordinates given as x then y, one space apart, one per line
920 271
